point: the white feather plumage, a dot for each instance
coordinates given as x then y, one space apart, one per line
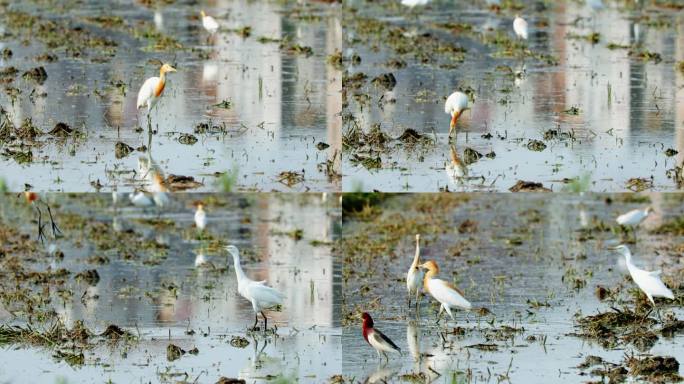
648 281
520 27
257 292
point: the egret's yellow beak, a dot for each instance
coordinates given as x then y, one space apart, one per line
202 13
454 119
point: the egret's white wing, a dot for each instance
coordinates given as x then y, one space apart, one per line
651 283
200 219
632 217
210 24
447 293
414 279
263 294
147 91
520 27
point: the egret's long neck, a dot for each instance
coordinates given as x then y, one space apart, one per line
162 76
428 275
628 258
238 269
417 256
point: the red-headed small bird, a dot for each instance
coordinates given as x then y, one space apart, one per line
377 339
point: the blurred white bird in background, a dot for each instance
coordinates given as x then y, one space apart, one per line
209 23
520 27
633 218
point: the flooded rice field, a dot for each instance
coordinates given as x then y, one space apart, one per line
550 301
253 106
588 102
130 294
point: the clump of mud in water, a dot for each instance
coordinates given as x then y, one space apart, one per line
618 327
471 156
38 74
528 186
660 369
386 81
122 149
28 131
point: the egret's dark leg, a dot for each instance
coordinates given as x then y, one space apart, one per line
256 320
265 320
55 228
41 235
409 300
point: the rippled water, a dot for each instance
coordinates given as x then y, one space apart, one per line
628 114
281 104
133 293
504 277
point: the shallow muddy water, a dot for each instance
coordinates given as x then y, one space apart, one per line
605 111
157 291
534 262
279 103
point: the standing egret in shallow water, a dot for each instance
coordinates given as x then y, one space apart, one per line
376 339
648 281
209 23
520 27
633 218
444 292
414 277
454 106
151 91
258 293
200 217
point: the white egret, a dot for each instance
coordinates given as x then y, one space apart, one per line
200 217
442 291
633 218
209 23
413 3
648 281
152 90
454 106
376 339
258 293
414 277
520 27
141 199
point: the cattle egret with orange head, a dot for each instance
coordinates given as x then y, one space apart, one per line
442 291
